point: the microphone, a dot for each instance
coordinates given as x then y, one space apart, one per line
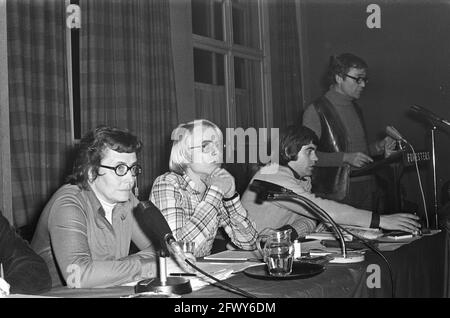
393 133
265 189
156 228
429 115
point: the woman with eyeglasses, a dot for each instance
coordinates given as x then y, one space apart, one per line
85 230
197 196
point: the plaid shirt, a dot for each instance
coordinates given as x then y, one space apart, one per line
195 216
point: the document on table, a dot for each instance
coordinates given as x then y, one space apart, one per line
234 256
221 268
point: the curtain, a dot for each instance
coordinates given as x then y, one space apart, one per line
127 77
285 60
39 107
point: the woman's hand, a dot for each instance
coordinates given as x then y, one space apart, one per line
401 221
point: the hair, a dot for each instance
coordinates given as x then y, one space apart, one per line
91 151
181 154
340 65
292 139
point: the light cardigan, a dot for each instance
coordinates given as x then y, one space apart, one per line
74 238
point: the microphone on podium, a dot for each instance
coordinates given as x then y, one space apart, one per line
393 133
432 117
155 227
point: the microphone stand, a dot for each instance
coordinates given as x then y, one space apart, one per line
433 162
434 122
292 196
164 284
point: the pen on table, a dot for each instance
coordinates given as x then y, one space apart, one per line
2 275
182 274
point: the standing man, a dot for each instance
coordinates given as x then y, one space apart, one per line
338 122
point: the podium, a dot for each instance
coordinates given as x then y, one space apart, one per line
398 161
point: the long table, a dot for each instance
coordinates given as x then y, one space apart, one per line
419 269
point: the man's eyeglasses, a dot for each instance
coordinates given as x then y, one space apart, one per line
208 146
123 169
359 80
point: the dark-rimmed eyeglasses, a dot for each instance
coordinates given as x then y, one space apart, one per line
208 146
122 169
359 80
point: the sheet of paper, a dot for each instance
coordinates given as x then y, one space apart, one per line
235 255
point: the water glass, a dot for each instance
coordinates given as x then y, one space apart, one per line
278 252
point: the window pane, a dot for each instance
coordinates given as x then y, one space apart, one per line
210 103
246 23
218 20
207 18
249 111
209 87
208 67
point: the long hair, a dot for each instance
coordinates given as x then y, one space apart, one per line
90 151
292 139
181 154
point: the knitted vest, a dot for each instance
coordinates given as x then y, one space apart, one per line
332 182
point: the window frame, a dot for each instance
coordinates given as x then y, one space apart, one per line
231 50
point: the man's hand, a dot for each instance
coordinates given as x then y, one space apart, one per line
401 221
357 159
224 181
389 146
386 146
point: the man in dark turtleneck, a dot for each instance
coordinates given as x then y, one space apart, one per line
337 120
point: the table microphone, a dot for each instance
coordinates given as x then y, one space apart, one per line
155 227
263 189
273 192
429 115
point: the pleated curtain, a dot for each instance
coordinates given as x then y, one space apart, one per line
285 61
39 103
127 77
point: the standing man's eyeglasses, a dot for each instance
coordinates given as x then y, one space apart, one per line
123 169
359 80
